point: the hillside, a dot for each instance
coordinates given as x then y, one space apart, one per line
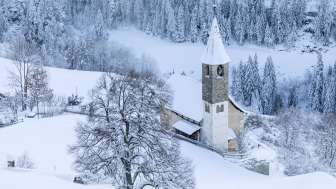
179 57
46 141
64 82
27 179
169 112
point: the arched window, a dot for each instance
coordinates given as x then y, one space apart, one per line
220 71
207 70
220 108
207 108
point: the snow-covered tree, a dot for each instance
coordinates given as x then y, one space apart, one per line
171 22
318 85
234 83
261 26
99 27
269 87
226 32
323 22
293 97
128 146
38 87
330 92
240 26
241 78
269 37
25 58
327 136
194 25
180 25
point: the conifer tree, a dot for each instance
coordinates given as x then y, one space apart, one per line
239 26
269 37
269 88
194 25
317 104
249 82
180 27
171 22
330 92
323 22
240 82
99 27
226 34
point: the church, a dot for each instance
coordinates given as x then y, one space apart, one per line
217 120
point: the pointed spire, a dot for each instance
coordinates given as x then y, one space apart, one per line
215 52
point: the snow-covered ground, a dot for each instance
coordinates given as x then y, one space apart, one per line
47 140
27 179
64 82
186 57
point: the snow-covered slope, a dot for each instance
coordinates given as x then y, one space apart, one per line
213 172
186 57
26 179
47 140
64 82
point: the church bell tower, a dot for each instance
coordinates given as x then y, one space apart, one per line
215 89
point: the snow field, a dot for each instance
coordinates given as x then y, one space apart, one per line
47 141
179 57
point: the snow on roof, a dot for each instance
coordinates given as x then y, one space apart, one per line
187 96
186 127
215 52
237 106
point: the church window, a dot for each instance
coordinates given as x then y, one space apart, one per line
207 70
207 108
220 71
220 108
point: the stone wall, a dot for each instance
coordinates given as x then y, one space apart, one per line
236 118
259 166
214 87
168 118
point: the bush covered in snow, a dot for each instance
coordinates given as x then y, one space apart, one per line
25 162
304 142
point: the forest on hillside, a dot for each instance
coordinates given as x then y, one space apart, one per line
73 33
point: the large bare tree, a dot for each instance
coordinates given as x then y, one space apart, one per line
125 142
38 88
24 59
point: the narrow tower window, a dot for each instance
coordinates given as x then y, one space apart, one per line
220 108
220 71
207 70
207 108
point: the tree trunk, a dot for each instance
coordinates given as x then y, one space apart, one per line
128 175
25 95
38 110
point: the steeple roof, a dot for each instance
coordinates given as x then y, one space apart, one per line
215 52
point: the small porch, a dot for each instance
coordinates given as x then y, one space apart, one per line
187 129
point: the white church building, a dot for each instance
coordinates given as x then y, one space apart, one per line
213 118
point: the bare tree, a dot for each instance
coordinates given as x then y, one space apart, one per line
126 142
24 58
38 87
328 140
